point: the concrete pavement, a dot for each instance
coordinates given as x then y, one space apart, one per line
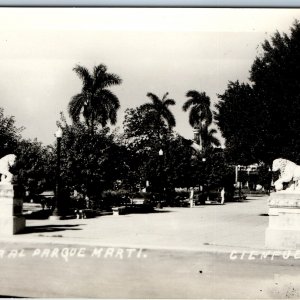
219 264
238 225
156 274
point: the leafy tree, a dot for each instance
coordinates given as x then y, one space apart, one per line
139 122
179 161
216 169
142 139
90 163
9 134
260 121
143 144
240 122
35 166
96 103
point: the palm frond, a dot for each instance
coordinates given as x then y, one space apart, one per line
102 113
169 117
194 117
188 104
156 101
100 69
75 106
113 116
107 96
169 102
192 94
205 115
198 98
84 74
110 79
164 97
103 79
209 138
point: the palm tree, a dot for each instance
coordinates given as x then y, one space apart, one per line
160 109
96 103
199 105
200 116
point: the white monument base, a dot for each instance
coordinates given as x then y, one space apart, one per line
284 221
11 206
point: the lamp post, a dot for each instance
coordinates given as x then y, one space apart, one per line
56 214
270 179
161 153
204 187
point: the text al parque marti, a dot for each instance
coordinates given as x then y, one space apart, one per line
68 253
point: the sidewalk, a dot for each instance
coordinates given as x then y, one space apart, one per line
236 225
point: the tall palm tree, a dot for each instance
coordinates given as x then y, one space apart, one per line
199 105
96 103
200 116
160 108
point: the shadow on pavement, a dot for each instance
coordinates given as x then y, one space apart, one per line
50 228
4 296
38 215
161 211
236 201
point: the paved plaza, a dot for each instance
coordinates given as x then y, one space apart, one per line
175 253
212 227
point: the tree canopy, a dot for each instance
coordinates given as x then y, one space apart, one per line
143 143
9 134
90 163
260 119
35 166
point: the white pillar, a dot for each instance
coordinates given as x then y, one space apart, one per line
11 208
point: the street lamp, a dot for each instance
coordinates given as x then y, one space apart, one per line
203 186
270 179
161 153
56 214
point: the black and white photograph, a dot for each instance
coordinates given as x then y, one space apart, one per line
149 153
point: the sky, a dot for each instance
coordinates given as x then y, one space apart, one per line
154 50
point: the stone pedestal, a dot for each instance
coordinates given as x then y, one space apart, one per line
11 206
284 221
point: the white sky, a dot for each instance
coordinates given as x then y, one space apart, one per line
153 50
